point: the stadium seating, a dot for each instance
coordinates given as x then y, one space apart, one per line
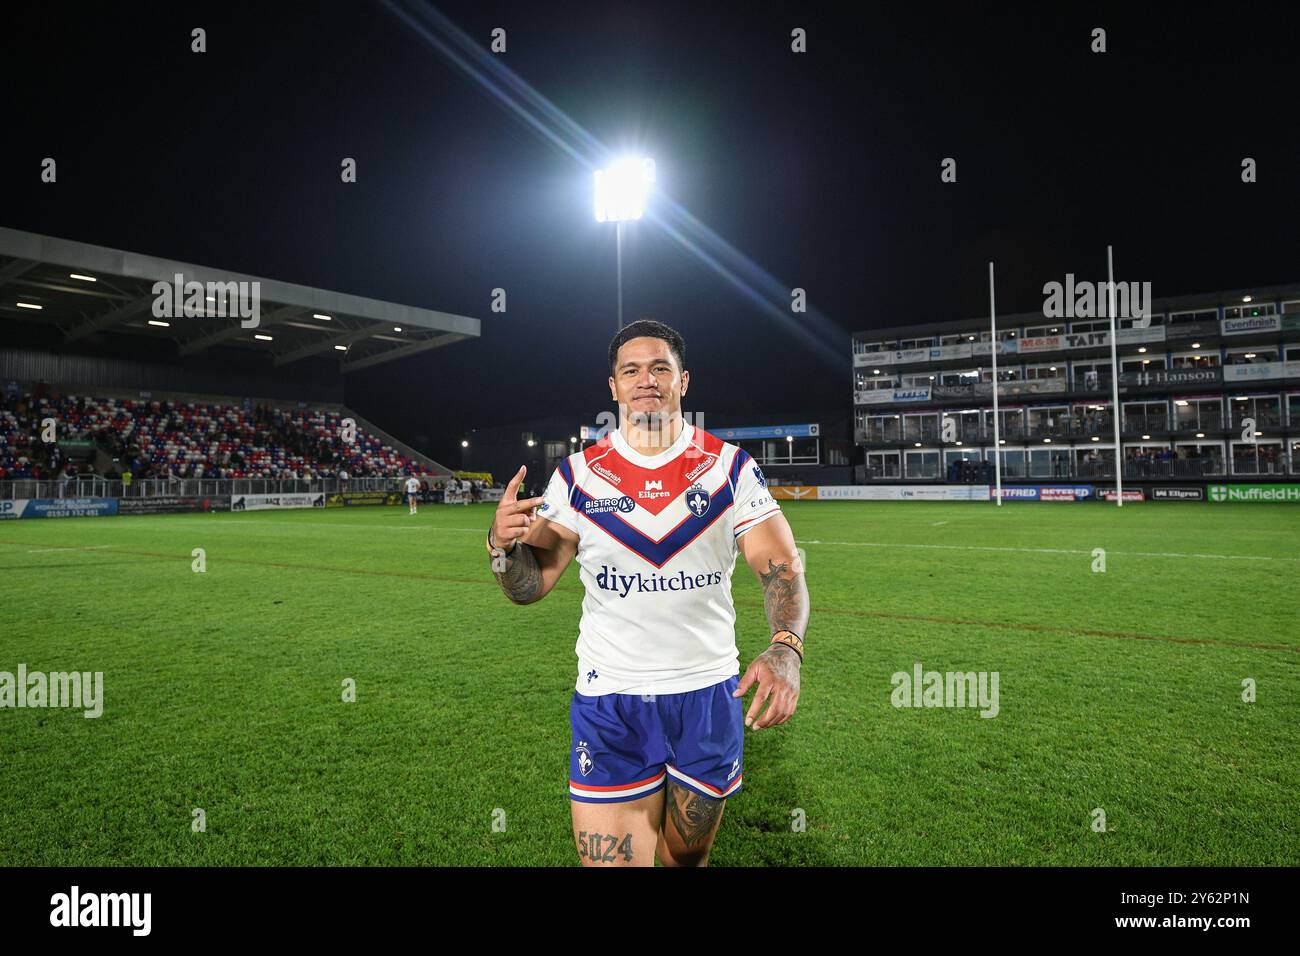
160 439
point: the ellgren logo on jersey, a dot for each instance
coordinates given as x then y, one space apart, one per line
759 475
596 506
697 499
653 489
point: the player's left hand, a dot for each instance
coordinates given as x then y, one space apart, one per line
776 671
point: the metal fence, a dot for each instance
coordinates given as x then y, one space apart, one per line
96 487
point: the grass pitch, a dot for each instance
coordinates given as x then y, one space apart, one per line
1119 690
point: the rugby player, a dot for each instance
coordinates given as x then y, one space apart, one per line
655 513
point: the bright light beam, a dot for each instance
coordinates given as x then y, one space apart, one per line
551 123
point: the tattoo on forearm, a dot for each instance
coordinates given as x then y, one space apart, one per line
694 816
522 577
785 598
592 846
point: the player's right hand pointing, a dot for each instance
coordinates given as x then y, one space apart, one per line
514 515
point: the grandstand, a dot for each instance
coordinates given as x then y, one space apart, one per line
124 420
1188 383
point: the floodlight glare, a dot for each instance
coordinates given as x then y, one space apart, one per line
623 188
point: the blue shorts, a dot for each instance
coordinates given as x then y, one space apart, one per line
625 747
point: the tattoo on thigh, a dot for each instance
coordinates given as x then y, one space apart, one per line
593 846
694 816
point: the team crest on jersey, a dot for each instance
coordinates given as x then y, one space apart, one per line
697 499
585 763
759 475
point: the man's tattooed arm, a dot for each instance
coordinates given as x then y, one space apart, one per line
519 574
785 597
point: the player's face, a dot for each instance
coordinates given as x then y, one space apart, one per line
647 381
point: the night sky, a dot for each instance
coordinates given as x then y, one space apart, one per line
821 168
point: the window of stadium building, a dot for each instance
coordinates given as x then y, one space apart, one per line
1266 410
953 455
1250 356
1049 463
1047 421
882 464
1258 458
1198 414
1195 360
1090 419
1013 463
1096 461
1203 315
1078 327
1148 461
1012 423
1145 416
883 428
922 464
1090 376
1141 363
1250 311
1293 409
1197 458
921 427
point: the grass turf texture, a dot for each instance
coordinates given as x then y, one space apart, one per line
1120 690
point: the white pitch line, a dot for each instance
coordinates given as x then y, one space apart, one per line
96 547
1143 554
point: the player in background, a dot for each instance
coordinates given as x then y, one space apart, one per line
412 493
656 513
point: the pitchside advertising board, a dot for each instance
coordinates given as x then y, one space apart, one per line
879 492
268 502
172 504
57 507
1043 493
1177 493
1248 493
352 499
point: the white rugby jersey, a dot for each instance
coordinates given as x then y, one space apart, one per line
657 543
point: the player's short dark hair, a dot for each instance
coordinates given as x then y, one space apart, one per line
648 328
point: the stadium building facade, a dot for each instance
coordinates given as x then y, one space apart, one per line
1191 384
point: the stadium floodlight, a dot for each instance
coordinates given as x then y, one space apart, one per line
1246 298
322 317
1196 345
464 443
160 324
397 328
29 305
573 439
263 338
621 192
340 348
84 278
623 188
531 443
